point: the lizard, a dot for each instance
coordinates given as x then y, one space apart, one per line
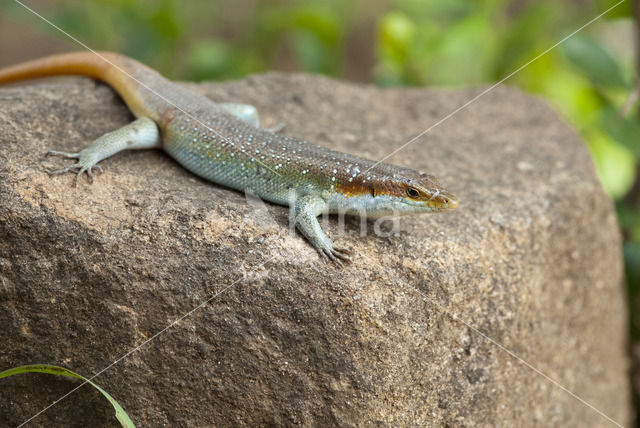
224 144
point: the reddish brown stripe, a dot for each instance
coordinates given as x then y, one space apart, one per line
358 188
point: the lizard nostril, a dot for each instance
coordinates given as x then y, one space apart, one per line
446 200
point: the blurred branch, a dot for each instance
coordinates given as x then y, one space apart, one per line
636 13
631 101
633 196
634 95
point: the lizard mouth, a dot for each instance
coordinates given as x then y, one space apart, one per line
442 201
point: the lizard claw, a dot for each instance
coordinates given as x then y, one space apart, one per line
63 170
82 165
336 255
89 174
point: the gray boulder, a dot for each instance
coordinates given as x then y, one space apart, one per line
455 319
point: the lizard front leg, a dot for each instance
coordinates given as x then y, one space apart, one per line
140 134
306 209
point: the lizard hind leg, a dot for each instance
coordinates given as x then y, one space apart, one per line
244 112
139 134
249 114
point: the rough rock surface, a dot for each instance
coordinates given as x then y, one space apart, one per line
531 259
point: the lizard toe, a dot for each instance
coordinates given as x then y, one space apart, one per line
63 154
329 254
87 169
341 254
335 254
64 170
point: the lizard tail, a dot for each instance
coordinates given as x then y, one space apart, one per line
111 68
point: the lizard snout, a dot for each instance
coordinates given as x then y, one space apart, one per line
443 200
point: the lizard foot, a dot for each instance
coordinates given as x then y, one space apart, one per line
336 255
307 209
140 134
83 165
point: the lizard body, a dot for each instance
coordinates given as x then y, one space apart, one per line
231 150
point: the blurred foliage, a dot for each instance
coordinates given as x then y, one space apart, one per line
404 42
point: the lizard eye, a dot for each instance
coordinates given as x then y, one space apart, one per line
412 193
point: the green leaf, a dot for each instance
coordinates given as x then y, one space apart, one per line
615 164
624 130
621 10
466 55
320 23
122 417
592 60
312 54
396 34
528 32
210 59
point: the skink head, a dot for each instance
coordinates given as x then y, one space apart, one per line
423 192
413 192
390 190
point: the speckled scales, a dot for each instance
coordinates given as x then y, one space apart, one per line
218 146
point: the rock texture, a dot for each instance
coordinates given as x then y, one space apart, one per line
531 259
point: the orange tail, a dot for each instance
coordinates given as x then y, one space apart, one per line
108 67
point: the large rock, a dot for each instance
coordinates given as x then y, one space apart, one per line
414 333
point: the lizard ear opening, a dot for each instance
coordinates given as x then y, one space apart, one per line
373 192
